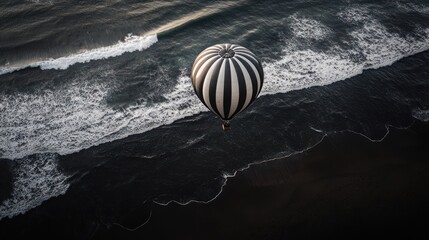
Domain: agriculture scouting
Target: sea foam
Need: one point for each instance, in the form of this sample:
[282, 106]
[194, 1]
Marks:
[307, 28]
[76, 116]
[373, 47]
[36, 179]
[131, 43]
[422, 115]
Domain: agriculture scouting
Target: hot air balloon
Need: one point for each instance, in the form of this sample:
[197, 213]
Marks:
[227, 78]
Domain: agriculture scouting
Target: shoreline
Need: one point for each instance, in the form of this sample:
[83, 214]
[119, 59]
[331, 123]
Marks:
[226, 176]
[379, 189]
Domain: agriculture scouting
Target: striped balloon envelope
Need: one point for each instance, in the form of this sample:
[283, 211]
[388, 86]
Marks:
[227, 78]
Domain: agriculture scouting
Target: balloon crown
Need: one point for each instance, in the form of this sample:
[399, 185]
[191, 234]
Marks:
[226, 53]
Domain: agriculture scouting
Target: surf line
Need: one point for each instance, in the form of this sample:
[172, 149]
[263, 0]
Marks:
[131, 43]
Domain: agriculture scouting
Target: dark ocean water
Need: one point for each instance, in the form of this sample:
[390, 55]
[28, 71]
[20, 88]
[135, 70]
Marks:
[96, 103]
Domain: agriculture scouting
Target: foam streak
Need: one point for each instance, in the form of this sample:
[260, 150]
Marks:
[131, 43]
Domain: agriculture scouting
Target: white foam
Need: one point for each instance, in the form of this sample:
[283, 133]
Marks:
[306, 68]
[77, 117]
[356, 14]
[372, 42]
[382, 48]
[180, 102]
[307, 28]
[422, 115]
[131, 43]
[36, 179]
[43, 2]
[413, 7]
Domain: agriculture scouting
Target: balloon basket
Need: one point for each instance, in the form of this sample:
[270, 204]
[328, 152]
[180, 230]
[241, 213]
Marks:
[225, 125]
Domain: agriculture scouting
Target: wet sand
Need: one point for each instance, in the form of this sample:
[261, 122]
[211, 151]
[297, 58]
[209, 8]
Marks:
[347, 187]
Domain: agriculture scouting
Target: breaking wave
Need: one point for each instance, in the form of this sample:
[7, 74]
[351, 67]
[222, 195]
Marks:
[131, 43]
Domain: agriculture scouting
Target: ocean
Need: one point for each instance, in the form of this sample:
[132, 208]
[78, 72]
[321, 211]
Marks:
[97, 110]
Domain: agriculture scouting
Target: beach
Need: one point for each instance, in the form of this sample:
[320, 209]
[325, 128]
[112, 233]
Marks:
[345, 187]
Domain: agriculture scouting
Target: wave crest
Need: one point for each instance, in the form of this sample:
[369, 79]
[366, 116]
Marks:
[131, 43]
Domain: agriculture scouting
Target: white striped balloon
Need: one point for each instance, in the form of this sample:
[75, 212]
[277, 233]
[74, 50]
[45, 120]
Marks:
[227, 78]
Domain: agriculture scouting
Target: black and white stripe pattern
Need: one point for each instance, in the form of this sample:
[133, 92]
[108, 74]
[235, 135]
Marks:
[227, 78]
